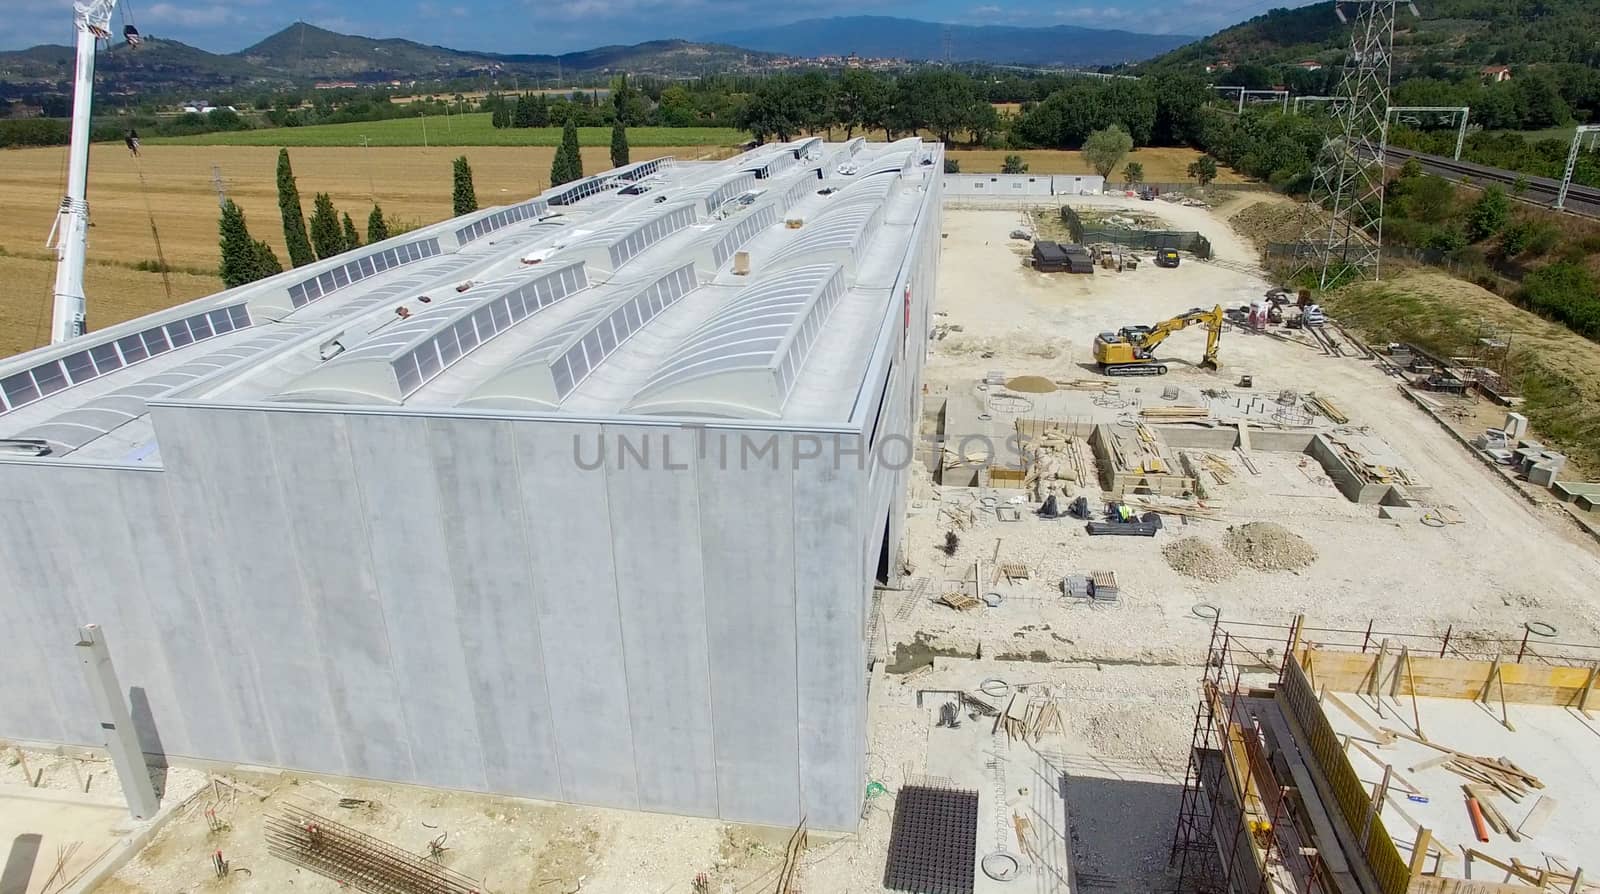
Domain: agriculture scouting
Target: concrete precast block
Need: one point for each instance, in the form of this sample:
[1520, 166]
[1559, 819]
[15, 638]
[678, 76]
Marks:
[1543, 474]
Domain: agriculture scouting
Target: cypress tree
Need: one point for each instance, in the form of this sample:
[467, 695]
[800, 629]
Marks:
[539, 111]
[568, 164]
[351, 237]
[266, 262]
[463, 196]
[619, 144]
[326, 234]
[294, 219]
[523, 116]
[244, 260]
[377, 227]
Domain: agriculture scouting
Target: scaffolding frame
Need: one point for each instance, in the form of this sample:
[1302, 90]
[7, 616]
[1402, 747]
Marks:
[1259, 846]
[1245, 806]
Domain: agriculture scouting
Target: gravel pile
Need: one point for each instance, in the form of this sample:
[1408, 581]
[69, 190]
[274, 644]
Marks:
[1194, 557]
[1266, 546]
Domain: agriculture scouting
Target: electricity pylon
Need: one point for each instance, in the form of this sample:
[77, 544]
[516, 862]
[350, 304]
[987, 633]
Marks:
[1343, 223]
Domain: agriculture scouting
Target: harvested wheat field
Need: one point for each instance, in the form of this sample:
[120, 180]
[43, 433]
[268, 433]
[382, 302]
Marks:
[116, 294]
[411, 184]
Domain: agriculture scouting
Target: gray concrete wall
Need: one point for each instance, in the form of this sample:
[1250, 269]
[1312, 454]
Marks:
[461, 602]
[1345, 478]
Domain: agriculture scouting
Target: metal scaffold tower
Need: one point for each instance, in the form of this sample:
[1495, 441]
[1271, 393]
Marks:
[1343, 225]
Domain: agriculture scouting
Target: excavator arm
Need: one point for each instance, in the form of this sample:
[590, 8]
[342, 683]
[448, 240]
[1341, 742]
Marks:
[1132, 351]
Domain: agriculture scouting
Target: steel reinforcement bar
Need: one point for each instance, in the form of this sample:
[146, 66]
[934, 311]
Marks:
[358, 860]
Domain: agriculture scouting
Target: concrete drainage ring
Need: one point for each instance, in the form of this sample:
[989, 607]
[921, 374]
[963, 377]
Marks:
[1540, 628]
[994, 687]
[993, 600]
[1001, 866]
[1206, 611]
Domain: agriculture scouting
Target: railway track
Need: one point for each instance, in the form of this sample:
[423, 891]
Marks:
[1581, 200]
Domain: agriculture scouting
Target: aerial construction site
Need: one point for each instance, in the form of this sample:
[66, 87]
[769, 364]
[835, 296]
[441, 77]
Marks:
[815, 520]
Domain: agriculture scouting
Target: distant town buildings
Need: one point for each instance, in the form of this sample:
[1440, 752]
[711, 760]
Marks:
[1496, 74]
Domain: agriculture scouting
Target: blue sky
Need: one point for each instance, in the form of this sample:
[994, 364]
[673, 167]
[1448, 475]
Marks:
[543, 26]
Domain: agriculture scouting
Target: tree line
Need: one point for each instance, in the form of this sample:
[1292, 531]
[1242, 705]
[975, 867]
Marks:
[245, 259]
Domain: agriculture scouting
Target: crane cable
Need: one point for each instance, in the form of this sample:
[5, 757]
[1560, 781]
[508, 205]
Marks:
[155, 234]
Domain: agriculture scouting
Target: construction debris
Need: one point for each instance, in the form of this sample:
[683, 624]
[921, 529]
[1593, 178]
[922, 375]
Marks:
[1499, 773]
[959, 601]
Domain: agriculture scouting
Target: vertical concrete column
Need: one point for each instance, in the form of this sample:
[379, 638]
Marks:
[121, 739]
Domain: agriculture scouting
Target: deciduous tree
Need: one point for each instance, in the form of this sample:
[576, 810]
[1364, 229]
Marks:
[1105, 149]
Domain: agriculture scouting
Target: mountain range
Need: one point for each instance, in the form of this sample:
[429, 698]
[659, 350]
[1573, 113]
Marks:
[304, 53]
[896, 38]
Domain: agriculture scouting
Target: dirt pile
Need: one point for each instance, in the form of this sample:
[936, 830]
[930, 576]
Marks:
[1031, 384]
[1266, 546]
[1197, 558]
[1267, 222]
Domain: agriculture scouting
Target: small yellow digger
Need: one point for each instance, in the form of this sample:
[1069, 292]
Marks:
[1130, 351]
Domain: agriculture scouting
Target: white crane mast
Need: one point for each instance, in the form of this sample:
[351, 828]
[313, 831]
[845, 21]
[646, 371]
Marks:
[93, 20]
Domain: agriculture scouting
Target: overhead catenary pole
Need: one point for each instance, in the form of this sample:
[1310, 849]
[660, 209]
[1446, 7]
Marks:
[1572, 163]
[69, 314]
[1461, 125]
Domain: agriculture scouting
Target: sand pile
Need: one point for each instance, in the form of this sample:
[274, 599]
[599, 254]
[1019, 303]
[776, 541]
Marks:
[1031, 385]
[1266, 546]
[1194, 557]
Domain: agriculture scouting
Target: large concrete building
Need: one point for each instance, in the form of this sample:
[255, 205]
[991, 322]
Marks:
[578, 499]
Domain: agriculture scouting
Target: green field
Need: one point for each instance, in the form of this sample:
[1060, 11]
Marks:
[458, 130]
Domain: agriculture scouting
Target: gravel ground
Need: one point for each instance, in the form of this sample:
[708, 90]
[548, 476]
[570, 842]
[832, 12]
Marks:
[1132, 668]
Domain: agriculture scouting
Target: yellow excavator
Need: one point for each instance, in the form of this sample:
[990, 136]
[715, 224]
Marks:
[1130, 351]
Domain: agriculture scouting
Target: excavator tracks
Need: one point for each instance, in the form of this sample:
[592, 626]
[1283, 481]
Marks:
[1135, 369]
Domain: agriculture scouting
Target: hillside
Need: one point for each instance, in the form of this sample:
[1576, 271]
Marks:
[1452, 36]
[155, 65]
[887, 37]
[303, 53]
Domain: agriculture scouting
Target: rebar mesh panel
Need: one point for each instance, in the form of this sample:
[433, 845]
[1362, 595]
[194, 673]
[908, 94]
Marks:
[358, 860]
[933, 848]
